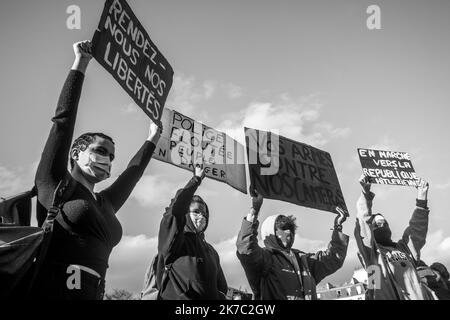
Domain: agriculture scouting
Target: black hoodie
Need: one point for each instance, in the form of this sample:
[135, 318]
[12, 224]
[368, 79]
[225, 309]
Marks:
[194, 266]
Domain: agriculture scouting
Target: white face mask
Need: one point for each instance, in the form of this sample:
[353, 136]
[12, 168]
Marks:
[199, 221]
[95, 165]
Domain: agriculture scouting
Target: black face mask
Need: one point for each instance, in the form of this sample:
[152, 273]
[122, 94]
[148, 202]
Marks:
[382, 234]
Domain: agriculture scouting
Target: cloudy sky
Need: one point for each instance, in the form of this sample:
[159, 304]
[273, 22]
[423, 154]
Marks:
[311, 69]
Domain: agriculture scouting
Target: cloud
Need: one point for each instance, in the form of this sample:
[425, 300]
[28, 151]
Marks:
[437, 248]
[130, 108]
[296, 119]
[232, 268]
[10, 181]
[129, 261]
[157, 190]
[442, 186]
[15, 180]
[233, 91]
[186, 93]
[385, 143]
[154, 191]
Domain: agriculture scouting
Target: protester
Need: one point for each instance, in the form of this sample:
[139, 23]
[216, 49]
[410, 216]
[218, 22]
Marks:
[278, 271]
[188, 266]
[391, 265]
[87, 229]
[437, 279]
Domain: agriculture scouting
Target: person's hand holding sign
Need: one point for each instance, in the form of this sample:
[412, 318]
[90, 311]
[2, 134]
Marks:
[154, 133]
[257, 201]
[199, 170]
[83, 54]
[340, 218]
[422, 189]
[365, 183]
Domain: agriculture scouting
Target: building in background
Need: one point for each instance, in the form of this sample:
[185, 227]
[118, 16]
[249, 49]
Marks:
[353, 290]
[237, 294]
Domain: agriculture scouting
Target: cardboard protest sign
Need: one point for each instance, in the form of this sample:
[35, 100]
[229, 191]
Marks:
[123, 47]
[185, 142]
[387, 167]
[303, 175]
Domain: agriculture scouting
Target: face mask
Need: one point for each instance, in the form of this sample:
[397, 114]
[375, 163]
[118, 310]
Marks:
[95, 165]
[382, 234]
[199, 221]
[285, 237]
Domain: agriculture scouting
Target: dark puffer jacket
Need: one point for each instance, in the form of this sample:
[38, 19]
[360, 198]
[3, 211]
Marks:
[280, 274]
[194, 270]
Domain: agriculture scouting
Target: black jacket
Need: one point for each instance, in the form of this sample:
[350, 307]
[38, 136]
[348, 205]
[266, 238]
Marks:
[279, 274]
[193, 264]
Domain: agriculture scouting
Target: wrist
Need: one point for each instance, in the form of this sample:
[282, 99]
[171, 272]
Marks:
[422, 196]
[197, 179]
[252, 215]
[153, 140]
[80, 64]
[422, 203]
[337, 227]
[365, 190]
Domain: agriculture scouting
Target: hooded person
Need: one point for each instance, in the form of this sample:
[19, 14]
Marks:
[436, 278]
[278, 271]
[392, 265]
[190, 266]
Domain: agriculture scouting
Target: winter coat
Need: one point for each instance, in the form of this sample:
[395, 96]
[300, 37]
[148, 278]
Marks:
[192, 264]
[280, 274]
[382, 283]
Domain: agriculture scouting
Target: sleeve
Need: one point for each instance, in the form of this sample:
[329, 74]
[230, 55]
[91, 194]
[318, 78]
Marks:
[174, 219]
[53, 163]
[326, 262]
[222, 285]
[415, 234]
[121, 189]
[255, 260]
[363, 230]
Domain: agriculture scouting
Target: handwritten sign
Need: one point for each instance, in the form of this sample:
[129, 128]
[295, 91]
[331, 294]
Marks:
[306, 175]
[185, 142]
[387, 167]
[123, 47]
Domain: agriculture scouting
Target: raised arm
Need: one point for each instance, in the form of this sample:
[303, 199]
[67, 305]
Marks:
[326, 262]
[53, 164]
[363, 231]
[121, 189]
[174, 219]
[253, 258]
[415, 234]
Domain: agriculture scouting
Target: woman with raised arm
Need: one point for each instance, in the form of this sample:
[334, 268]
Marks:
[87, 229]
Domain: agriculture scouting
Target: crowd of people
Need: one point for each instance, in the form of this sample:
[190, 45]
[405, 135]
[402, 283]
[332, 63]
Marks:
[188, 267]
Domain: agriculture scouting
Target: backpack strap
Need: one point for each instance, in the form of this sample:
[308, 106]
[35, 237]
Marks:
[62, 192]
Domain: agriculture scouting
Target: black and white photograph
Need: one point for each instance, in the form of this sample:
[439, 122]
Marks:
[211, 151]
